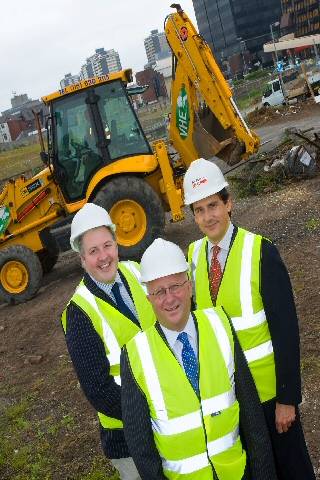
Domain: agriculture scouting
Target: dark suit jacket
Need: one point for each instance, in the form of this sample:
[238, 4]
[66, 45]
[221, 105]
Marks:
[278, 302]
[92, 367]
[139, 435]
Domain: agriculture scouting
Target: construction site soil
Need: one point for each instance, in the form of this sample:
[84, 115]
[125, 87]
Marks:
[35, 369]
[272, 115]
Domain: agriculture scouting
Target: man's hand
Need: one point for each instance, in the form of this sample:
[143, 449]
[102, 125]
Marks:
[285, 416]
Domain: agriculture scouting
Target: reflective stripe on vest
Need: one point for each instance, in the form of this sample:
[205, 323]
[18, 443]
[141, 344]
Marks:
[252, 327]
[114, 328]
[148, 353]
[108, 336]
[197, 462]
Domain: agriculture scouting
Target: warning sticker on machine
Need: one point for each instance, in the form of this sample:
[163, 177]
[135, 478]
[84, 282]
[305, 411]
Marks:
[4, 219]
[31, 187]
[184, 33]
[182, 113]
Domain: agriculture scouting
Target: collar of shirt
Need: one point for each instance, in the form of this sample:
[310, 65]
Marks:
[224, 244]
[172, 335]
[106, 287]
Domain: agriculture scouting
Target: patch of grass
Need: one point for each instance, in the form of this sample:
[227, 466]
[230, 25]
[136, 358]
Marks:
[31, 443]
[251, 97]
[22, 455]
[98, 472]
[253, 180]
[257, 74]
[312, 224]
[19, 160]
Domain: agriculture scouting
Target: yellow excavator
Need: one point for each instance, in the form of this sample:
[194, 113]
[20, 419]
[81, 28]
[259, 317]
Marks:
[97, 151]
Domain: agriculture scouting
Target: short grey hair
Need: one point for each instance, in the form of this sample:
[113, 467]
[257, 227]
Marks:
[79, 240]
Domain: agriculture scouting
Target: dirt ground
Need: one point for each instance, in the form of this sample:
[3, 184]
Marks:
[41, 403]
[271, 115]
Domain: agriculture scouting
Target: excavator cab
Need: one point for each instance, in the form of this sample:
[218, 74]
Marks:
[92, 129]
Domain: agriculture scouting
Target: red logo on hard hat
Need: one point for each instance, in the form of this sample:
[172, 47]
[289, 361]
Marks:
[199, 181]
[184, 33]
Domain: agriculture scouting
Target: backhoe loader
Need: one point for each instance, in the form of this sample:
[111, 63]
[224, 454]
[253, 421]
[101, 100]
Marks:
[98, 152]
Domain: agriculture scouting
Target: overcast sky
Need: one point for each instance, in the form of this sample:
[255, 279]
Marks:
[42, 40]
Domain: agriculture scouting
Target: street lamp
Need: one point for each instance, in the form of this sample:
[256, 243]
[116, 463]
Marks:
[243, 49]
[276, 24]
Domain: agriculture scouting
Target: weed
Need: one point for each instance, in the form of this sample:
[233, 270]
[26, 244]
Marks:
[253, 180]
[100, 471]
[67, 421]
[312, 224]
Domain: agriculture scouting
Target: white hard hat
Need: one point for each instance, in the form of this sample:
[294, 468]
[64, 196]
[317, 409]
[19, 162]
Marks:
[202, 179]
[162, 258]
[88, 217]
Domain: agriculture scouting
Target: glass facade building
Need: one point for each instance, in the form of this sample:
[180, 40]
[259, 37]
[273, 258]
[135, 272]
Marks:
[232, 26]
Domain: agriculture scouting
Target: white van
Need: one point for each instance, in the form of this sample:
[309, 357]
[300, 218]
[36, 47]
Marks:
[273, 94]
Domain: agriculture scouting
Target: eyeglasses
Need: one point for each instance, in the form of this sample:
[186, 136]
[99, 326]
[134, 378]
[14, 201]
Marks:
[161, 293]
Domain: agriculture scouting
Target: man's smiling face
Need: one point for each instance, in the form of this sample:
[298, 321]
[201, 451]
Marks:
[99, 254]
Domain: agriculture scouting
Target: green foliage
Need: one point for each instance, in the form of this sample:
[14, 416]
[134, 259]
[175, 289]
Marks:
[253, 180]
[99, 472]
[312, 224]
[28, 443]
[257, 74]
[251, 97]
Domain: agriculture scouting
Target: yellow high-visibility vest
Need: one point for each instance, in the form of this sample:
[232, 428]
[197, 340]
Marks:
[192, 433]
[114, 329]
[239, 294]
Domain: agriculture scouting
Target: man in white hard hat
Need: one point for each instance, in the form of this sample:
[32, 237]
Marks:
[244, 272]
[107, 309]
[179, 383]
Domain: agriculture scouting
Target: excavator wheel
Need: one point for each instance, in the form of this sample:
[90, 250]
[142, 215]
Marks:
[47, 260]
[137, 212]
[20, 274]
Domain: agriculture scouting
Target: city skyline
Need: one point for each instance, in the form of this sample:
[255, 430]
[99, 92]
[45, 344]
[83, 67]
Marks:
[40, 45]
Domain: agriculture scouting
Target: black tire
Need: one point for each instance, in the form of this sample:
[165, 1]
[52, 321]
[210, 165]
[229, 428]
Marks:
[130, 188]
[47, 260]
[26, 261]
[266, 104]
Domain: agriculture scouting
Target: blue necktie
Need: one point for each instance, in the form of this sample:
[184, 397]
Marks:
[189, 360]
[122, 306]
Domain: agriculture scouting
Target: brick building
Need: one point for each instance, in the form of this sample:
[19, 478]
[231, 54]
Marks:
[156, 84]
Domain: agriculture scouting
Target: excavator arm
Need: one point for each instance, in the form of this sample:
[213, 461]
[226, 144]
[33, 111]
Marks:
[205, 120]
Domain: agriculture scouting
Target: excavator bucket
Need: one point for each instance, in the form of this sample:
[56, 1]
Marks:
[210, 139]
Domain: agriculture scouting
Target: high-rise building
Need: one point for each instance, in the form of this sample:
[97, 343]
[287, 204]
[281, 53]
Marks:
[156, 46]
[113, 61]
[101, 62]
[86, 70]
[232, 27]
[303, 17]
[18, 100]
[69, 80]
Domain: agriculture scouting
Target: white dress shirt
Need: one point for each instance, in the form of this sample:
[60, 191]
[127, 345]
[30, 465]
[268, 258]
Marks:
[175, 344]
[224, 244]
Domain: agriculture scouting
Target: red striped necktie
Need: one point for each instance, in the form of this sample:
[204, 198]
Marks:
[215, 273]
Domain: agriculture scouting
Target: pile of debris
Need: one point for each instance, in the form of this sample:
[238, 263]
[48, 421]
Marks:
[264, 115]
[298, 157]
